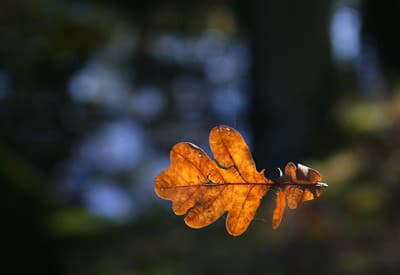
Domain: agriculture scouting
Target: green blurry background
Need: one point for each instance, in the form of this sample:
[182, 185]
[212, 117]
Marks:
[93, 94]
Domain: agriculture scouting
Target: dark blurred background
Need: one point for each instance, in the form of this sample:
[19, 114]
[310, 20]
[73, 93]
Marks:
[93, 94]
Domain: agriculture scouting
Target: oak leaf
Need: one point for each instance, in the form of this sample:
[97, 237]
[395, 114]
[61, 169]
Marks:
[204, 189]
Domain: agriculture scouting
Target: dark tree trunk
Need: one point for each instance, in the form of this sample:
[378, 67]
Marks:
[381, 28]
[292, 70]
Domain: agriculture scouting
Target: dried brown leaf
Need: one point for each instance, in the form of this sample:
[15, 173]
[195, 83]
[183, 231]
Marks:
[205, 189]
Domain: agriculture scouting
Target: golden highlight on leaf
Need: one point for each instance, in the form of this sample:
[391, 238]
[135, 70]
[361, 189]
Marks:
[279, 209]
[204, 189]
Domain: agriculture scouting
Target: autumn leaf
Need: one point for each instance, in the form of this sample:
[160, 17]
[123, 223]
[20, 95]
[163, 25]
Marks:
[296, 185]
[204, 189]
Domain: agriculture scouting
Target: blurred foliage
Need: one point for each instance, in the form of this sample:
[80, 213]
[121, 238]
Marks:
[94, 93]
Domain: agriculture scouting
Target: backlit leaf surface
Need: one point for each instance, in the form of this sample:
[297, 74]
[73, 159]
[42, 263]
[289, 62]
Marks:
[203, 189]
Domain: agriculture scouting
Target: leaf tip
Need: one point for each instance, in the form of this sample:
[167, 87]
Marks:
[275, 225]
